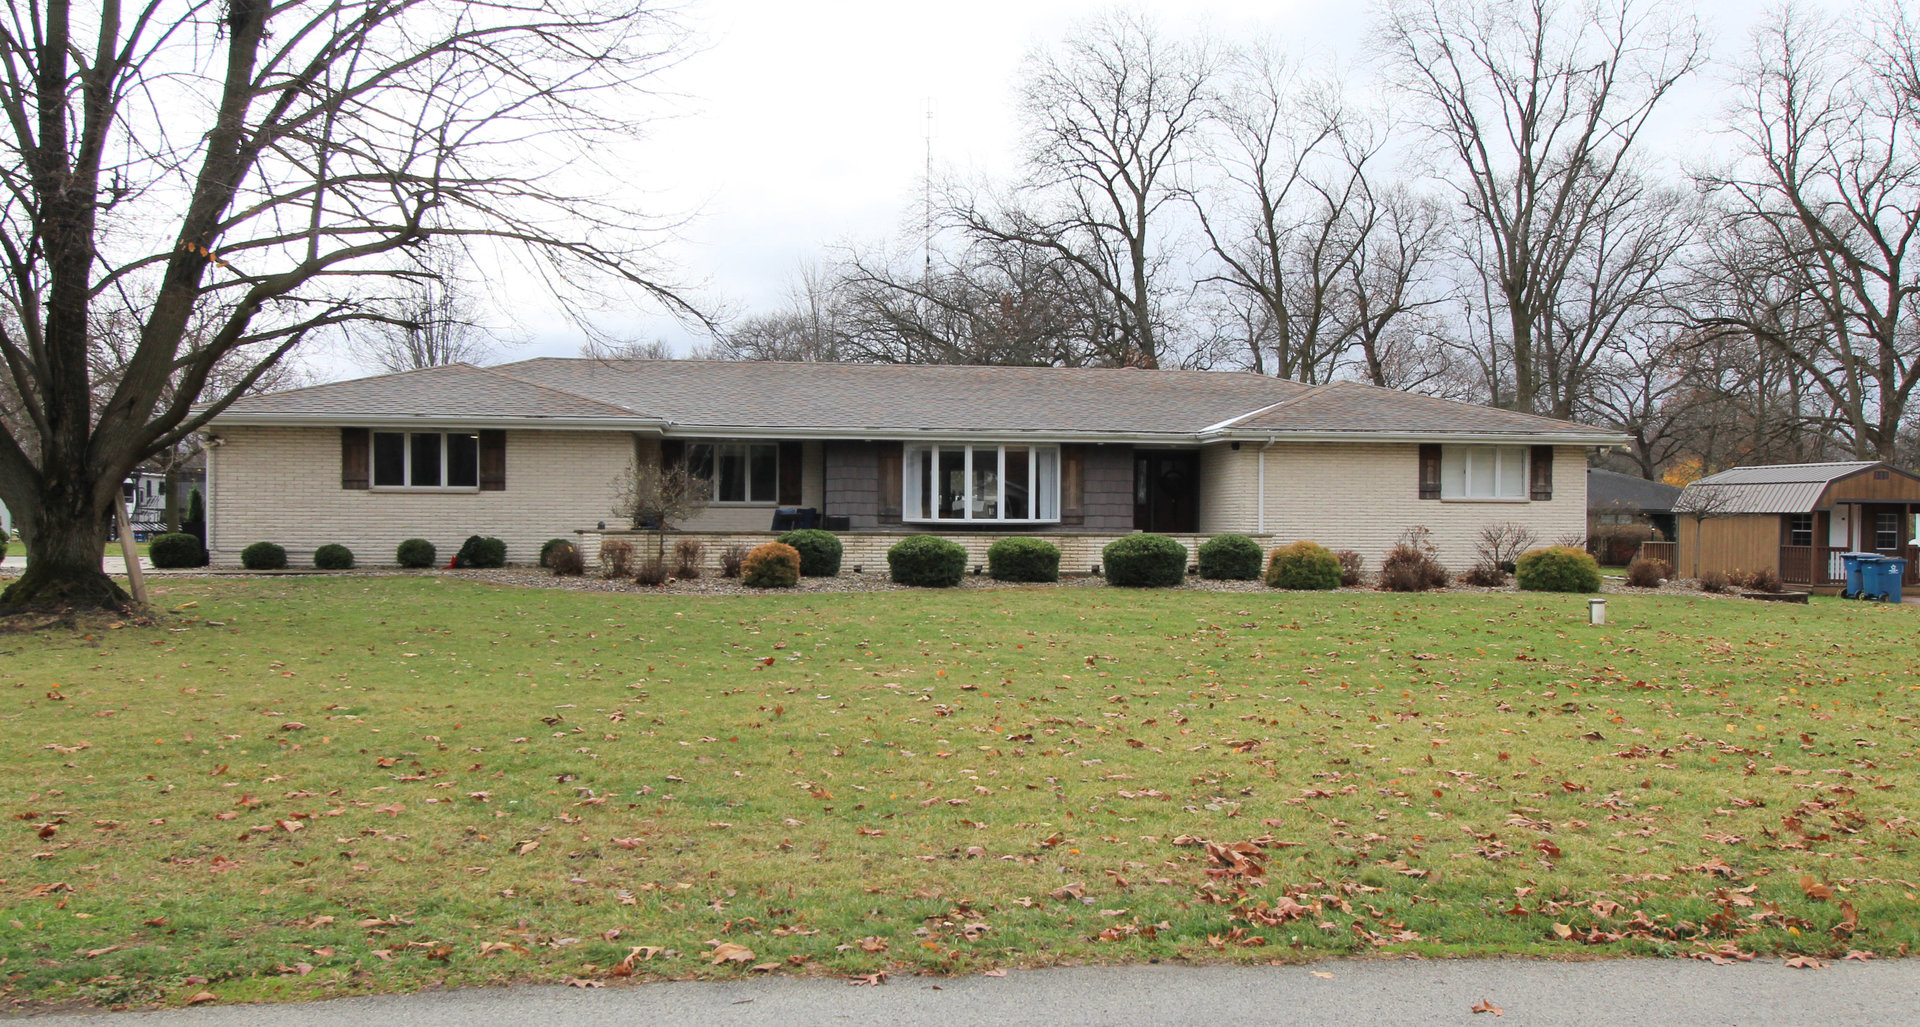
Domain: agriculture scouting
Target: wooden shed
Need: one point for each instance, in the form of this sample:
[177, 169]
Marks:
[1797, 519]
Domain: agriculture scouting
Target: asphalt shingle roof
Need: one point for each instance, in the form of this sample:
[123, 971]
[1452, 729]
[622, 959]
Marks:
[688, 396]
[1351, 406]
[1611, 490]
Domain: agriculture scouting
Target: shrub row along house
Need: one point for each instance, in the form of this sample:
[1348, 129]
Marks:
[532, 450]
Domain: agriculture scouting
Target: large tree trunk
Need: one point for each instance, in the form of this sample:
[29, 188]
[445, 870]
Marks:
[63, 557]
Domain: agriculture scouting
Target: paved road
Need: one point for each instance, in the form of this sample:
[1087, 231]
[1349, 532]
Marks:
[1384, 993]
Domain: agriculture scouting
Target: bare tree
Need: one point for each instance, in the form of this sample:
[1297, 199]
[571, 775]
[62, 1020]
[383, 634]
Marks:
[1109, 116]
[659, 496]
[1821, 209]
[434, 324]
[809, 329]
[262, 169]
[1538, 106]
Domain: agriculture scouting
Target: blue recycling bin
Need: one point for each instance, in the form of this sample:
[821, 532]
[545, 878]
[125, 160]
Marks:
[1882, 577]
[1856, 564]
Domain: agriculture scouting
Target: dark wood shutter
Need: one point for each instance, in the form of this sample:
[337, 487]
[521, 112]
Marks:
[1073, 484]
[792, 462]
[355, 445]
[493, 460]
[673, 453]
[1542, 473]
[1430, 470]
[890, 457]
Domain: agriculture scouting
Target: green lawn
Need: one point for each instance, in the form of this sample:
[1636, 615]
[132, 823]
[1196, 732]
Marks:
[305, 787]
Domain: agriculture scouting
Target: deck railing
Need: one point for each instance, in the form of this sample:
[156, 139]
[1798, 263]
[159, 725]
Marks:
[1821, 565]
[1658, 551]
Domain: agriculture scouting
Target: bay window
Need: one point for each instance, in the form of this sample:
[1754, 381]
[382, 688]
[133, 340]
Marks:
[1483, 472]
[981, 483]
[740, 472]
[426, 459]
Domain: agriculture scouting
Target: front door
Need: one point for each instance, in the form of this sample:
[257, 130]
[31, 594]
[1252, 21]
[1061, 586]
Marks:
[1166, 491]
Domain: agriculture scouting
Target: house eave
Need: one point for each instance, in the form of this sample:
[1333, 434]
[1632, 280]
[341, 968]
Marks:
[1589, 439]
[437, 420]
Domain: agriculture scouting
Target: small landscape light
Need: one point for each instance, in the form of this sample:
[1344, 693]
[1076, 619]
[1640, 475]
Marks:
[1596, 610]
[976, 570]
[1096, 570]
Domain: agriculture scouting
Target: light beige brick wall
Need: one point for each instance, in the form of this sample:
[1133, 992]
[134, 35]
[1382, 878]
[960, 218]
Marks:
[1362, 496]
[282, 485]
[1229, 488]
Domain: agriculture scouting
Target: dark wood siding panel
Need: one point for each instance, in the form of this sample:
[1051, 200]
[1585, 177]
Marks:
[852, 489]
[354, 452]
[1106, 488]
[889, 456]
[1073, 480]
[1897, 486]
[493, 460]
[1429, 481]
[791, 465]
[1542, 472]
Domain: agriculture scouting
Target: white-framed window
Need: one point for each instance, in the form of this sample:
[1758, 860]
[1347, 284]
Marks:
[1483, 472]
[741, 472]
[426, 460]
[979, 483]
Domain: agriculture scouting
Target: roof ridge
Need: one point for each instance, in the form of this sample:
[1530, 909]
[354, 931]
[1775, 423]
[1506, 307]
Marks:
[495, 372]
[373, 378]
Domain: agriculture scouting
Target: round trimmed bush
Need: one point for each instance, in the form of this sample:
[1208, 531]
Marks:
[1557, 569]
[416, 553]
[333, 557]
[481, 552]
[176, 550]
[262, 556]
[1304, 565]
[771, 565]
[1145, 561]
[547, 549]
[1023, 559]
[819, 551]
[928, 561]
[1229, 558]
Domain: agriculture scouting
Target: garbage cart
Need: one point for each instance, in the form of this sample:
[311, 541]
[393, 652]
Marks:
[1855, 564]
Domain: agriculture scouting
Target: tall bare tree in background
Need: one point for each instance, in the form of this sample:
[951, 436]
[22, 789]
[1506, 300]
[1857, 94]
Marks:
[1822, 208]
[434, 324]
[1538, 106]
[1109, 115]
[305, 148]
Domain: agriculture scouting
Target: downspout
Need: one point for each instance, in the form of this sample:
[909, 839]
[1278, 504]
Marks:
[1261, 489]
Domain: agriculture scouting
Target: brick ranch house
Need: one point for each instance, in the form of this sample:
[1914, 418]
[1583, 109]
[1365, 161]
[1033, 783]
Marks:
[531, 450]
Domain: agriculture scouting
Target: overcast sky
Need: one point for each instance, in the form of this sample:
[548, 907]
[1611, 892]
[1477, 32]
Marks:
[799, 126]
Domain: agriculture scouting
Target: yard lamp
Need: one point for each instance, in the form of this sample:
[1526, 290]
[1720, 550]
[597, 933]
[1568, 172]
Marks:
[1596, 610]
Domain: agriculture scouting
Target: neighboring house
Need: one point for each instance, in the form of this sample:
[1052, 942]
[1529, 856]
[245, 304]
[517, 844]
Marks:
[1796, 519]
[531, 450]
[1624, 510]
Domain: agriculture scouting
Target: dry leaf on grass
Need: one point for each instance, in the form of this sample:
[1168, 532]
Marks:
[728, 952]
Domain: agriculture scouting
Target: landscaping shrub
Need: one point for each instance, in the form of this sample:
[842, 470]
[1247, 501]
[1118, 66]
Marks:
[731, 559]
[616, 558]
[168, 551]
[686, 554]
[1483, 575]
[415, 552]
[819, 551]
[333, 557]
[771, 565]
[1558, 569]
[1145, 561]
[481, 552]
[547, 549]
[1499, 546]
[263, 556]
[566, 561]
[1303, 565]
[1714, 581]
[653, 571]
[1023, 559]
[1412, 565]
[1764, 580]
[1352, 564]
[1229, 558]
[927, 560]
[1645, 573]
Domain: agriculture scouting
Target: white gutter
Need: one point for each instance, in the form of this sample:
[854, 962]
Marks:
[422, 420]
[1509, 438]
